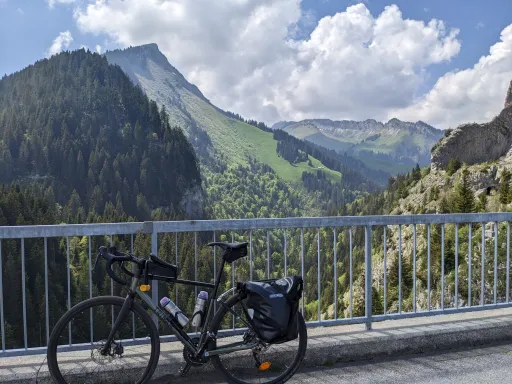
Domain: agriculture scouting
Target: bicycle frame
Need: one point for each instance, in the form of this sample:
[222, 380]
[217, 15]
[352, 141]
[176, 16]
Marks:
[205, 334]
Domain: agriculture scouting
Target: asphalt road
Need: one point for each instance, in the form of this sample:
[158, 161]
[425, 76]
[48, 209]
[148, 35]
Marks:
[490, 364]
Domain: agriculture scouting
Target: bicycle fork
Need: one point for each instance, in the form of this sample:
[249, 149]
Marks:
[120, 317]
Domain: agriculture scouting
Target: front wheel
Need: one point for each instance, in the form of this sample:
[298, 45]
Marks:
[280, 361]
[74, 349]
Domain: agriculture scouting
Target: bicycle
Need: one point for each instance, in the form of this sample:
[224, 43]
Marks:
[108, 346]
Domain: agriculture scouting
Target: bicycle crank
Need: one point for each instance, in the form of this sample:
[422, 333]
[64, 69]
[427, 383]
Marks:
[190, 359]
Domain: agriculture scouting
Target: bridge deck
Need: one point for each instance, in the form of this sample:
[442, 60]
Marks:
[330, 345]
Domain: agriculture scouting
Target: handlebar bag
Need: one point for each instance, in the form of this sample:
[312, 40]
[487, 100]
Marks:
[156, 270]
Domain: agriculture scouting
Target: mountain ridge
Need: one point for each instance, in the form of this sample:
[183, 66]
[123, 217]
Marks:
[404, 143]
[219, 137]
[367, 124]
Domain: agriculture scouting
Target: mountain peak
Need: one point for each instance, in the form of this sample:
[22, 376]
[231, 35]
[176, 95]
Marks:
[149, 63]
[141, 53]
[150, 45]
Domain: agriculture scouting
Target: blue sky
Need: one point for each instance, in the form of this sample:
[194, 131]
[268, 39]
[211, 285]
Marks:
[480, 23]
[28, 28]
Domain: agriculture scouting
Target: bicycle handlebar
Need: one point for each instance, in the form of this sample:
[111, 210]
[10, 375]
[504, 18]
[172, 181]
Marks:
[115, 256]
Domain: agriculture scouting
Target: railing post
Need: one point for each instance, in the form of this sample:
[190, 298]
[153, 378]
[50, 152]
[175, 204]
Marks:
[368, 276]
[154, 285]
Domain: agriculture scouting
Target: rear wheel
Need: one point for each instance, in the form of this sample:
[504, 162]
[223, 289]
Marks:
[269, 364]
[132, 357]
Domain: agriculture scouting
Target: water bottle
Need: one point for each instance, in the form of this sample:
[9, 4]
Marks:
[198, 310]
[173, 309]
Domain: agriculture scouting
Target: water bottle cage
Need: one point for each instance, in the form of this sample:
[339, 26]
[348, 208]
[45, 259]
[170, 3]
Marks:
[176, 317]
[201, 318]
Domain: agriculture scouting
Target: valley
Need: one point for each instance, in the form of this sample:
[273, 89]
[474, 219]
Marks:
[70, 156]
[395, 147]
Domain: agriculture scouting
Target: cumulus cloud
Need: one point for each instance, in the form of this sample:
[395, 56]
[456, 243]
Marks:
[98, 49]
[51, 3]
[247, 55]
[61, 42]
[476, 94]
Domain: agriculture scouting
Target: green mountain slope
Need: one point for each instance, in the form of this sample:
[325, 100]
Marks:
[187, 107]
[220, 140]
[75, 123]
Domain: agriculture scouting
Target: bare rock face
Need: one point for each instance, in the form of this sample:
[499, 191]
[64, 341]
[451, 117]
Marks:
[477, 143]
[508, 99]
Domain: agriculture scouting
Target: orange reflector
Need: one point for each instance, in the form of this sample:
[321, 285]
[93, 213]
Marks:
[264, 366]
[145, 288]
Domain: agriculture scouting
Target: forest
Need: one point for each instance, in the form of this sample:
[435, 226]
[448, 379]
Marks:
[308, 251]
[79, 143]
[74, 123]
[331, 159]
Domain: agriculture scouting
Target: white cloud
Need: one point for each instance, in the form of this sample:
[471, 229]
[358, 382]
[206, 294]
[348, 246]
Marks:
[51, 3]
[245, 55]
[476, 94]
[61, 42]
[98, 49]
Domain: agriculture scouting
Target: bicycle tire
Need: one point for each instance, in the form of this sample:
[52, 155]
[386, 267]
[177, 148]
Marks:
[217, 363]
[86, 305]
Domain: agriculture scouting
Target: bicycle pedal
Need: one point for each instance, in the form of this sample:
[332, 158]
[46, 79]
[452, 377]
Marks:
[184, 370]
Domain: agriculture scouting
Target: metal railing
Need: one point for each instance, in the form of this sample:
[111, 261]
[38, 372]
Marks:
[377, 267]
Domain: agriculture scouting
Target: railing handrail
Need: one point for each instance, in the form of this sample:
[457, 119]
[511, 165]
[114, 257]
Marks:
[148, 227]
[154, 228]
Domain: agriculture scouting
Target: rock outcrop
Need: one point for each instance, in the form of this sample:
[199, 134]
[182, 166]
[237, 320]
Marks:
[477, 143]
[508, 99]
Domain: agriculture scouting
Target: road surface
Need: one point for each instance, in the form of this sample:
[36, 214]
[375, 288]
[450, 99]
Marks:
[489, 364]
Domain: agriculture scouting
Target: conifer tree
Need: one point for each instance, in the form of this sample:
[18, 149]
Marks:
[504, 188]
[464, 197]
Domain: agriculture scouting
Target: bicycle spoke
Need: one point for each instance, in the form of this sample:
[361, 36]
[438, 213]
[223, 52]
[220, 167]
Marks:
[244, 365]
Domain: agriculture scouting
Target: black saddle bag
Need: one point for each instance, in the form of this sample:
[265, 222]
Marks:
[275, 305]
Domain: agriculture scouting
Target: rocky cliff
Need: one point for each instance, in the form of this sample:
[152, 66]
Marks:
[477, 143]
[508, 99]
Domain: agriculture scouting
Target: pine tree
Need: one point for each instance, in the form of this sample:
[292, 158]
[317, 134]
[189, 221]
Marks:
[453, 166]
[416, 173]
[464, 197]
[504, 188]
[482, 203]
[444, 206]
